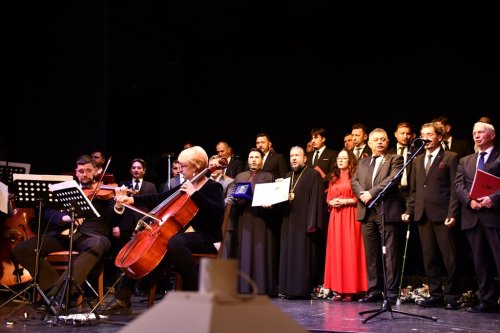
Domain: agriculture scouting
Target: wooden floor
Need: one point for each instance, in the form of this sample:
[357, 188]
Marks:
[311, 315]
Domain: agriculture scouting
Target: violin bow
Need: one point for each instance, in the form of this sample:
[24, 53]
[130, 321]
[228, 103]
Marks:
[100, 179]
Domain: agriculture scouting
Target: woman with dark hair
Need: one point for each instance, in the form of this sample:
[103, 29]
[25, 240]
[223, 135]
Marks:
[345, 266]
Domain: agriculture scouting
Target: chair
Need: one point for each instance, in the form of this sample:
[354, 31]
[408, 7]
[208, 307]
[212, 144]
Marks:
[60, 261]
[197, 259]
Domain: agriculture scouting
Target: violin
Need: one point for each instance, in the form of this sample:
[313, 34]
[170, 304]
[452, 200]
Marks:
[103, 192]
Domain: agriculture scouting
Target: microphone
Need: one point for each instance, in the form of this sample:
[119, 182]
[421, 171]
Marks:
[424, 141]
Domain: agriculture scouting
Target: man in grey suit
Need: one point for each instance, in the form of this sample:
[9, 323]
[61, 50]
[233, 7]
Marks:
[382, 221]
[481, 217]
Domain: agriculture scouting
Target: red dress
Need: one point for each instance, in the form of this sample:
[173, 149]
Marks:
[345, 263]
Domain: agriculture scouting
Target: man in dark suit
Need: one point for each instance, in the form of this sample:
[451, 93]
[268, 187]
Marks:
[382, 220]
[435, 207]
[90, 239]
[460, 146]
[273, 162]
[359, 134]
[138, 185]
[481, 216]
[234, 164]
[176, 178]
[322, 159]
[122, 232]
[407, 147]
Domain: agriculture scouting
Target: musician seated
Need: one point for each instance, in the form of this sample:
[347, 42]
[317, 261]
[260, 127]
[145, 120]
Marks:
[89, 239]
[207, 195]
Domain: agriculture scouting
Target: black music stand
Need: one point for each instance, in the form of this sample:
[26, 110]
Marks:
[33, 191]
[386, 304]
[76, 202]
[8, 169]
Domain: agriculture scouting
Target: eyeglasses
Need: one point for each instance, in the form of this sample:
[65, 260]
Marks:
[82, 171]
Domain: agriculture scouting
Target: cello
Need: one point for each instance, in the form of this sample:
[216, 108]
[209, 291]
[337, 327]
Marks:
[13, 230]
[148, 245]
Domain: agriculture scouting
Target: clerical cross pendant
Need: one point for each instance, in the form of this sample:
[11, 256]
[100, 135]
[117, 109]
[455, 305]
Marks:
[291, 196]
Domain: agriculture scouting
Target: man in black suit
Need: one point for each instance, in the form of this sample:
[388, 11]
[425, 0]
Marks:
[90, 239]
[481, 216]
[122, 232]
[372, 176]
[406, 147]
[128, 220]
[322, 159]
[359, 134]
[273, 162]
[234, 164]
[460, 146]
[435, 207]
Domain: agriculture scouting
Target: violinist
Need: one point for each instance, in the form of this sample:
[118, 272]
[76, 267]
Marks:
[204, 228]
[90, 239]
[100, 160]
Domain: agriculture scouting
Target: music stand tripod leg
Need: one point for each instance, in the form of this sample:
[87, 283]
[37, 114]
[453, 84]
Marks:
[34, 282]
[69, 279]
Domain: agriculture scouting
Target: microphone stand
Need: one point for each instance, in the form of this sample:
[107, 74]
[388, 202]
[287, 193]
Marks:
[386, 304]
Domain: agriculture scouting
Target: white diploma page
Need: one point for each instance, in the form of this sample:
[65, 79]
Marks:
[268, 194]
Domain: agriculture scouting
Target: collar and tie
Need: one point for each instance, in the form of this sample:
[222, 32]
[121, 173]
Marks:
[446, 145]
[371, 171]
[316, 156]
[428, 165]
[358, 152]
[480, 163]
[137, 183]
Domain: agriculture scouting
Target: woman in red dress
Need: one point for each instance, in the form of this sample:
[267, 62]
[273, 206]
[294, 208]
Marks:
[345, 266]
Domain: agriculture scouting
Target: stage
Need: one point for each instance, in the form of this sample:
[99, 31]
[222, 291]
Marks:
[311, 315]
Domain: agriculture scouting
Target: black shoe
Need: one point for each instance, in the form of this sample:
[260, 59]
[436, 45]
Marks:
[483, 308]
[431, 302]
[118, 307]
[371, 298]
[452, 306]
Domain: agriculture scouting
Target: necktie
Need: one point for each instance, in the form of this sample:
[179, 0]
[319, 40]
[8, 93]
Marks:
[369, 176]
[252, 174]
[428, 165]
[445, 145]
[404, 181]
[357, 152]
[136, 186]
[480, 164]
[316, 155]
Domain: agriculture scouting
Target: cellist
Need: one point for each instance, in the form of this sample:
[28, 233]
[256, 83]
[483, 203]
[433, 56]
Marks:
[203, 230]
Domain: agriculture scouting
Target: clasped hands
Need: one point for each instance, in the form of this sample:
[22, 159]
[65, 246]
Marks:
[481, 202]
[338, 202]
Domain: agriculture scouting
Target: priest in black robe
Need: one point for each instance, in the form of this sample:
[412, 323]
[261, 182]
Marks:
[302, 231]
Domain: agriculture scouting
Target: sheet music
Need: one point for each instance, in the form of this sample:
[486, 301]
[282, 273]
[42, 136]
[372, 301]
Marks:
[268, 194]
[70, 191]
[45, 178]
